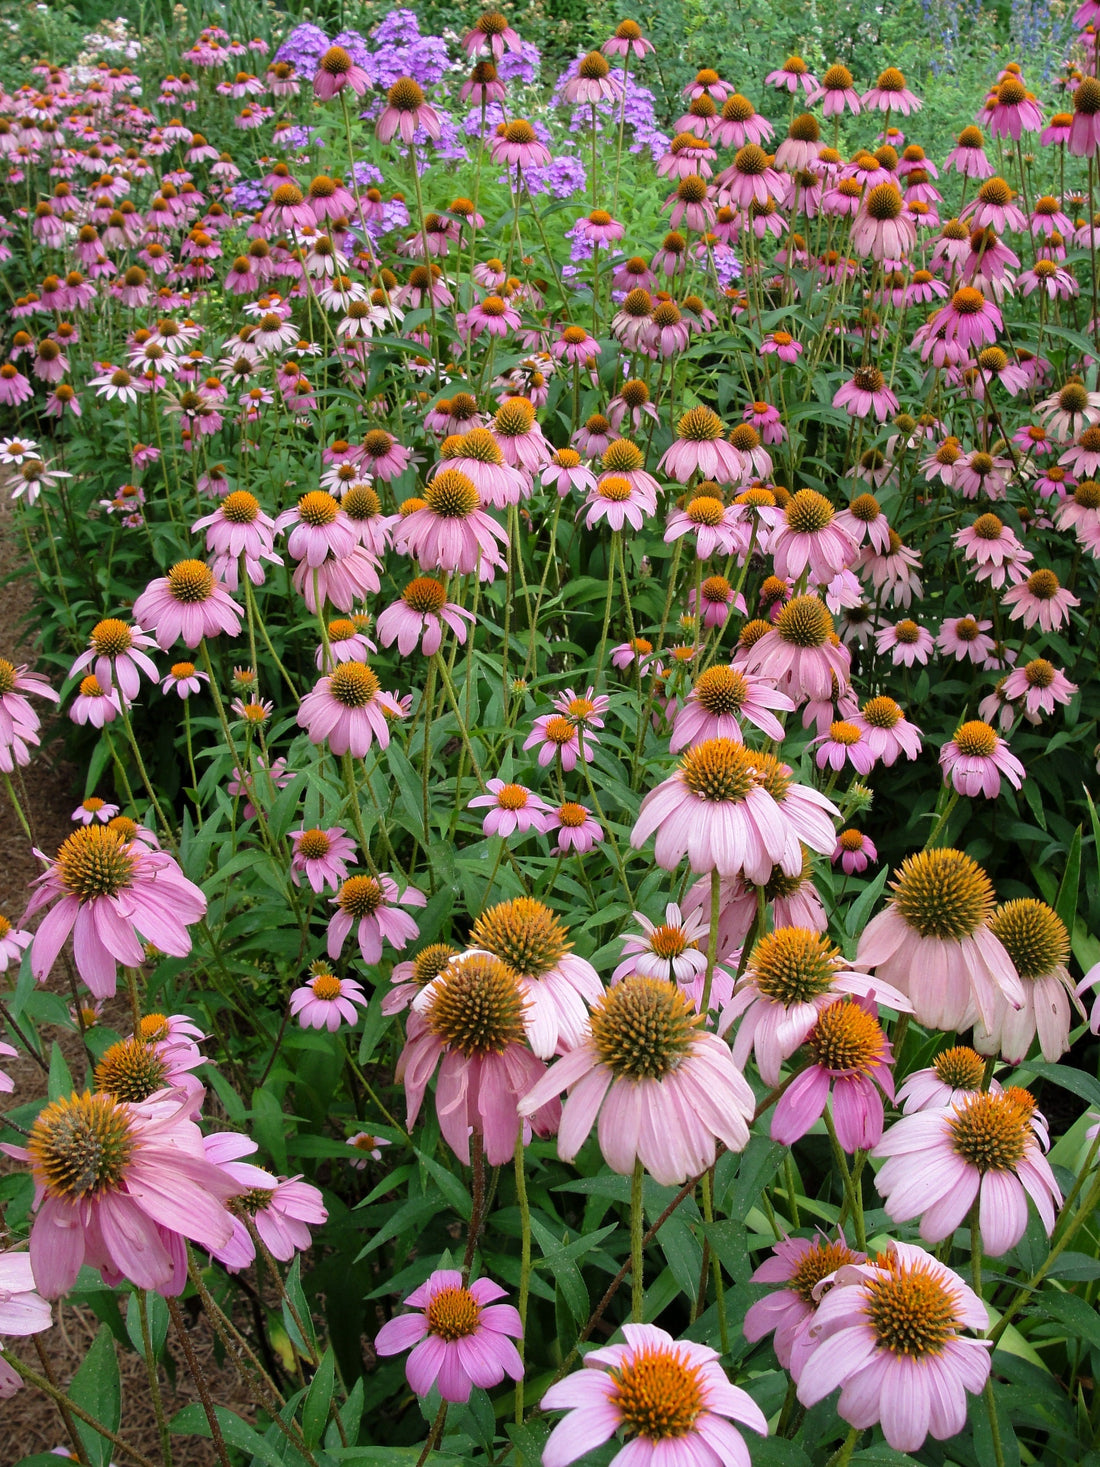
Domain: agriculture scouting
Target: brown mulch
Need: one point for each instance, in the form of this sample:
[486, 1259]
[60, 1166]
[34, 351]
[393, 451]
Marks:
[31, 1422]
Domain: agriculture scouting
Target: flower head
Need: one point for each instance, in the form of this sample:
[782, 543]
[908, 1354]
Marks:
[460, 1336]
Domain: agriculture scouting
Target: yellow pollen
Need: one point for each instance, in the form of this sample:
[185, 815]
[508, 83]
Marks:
[643, 1028]
[453, 1314]
[513, 797]
[912, 1312]
[424, 595]
[477, 1006]
[326, 986]
[990, 1132]
[93, 862]
[658, 1394]
[943, 893]
[353, 684]
[313, 845]
[805, 622]
[81, 1146]
[452, 495]
[846, 1039]
[524, 933]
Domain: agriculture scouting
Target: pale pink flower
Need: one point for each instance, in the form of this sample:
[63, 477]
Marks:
[608, 1395]
[735, 811]
[323, 856]
[843, 743]
[115, 655]
[1041, 685]
[888, 732]
[281, 1209]
[669, 950]
[811, 537]
[664, 1103]
[348, 710]
[934, 943]
[13, 940]
[866, 393]
[452, 532]
[798, 654]
[855, 851]
[336, 70]
[718, 701]
[974, 760]
[953, 1076]
[365, 1144]
[459, 1336]
[578, 830]
[512, 808]
[786, 1314]
[187, 603]
[792, 976]
[419, 616]
[938, 1165]
[1040, 601]
[93, 809]
[483, 1073]
[327, 1002]
[906, 642]
[111, 893]
[23, 1311]
[371, 905]
[869, 1337]
[850, 1056]
[119, 1187]
[1036, 940]
[557, 736]
[965, 638]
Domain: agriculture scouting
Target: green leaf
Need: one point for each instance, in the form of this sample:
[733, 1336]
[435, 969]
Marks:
[158, 1322]
[1078, 1082]
[191, 1421]
[269, 1123]
[1073, 1313]
[860, 910]
[565, 1273]
[318, 1401]
[97, 1390]
[1066, 904]
[61, 1081]
[296, 1297]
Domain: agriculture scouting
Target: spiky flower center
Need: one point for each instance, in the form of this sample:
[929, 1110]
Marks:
[721, 691]
[1087, 494]
[884, 203]
[700, 425]
[452, 495]
[453, 1314]
[658, 1394]
[1086, 99]
[81, 1146]
[850, 840]
[960, 1068]
[615, 488]
[360, 896]
[524, 933]
[425, 595]
[313, 845]
[93, 862]
[430, 961]
[476, 1006]
[405, 95]
[721, 771]
[1043, 584]
[943, 893]
[807, 512]
[519, 131]
[110, 638]
[804, 129]
[190, 581]
[843, 732]
[907, 632]
[805, 621]
[1033, 935]
[326, 986]
[837, 79]
[977, 740]
[793, 965]
[643, 1028]
[846, 1039]
[353, 684]
[912, 1312]
[991, 1132]
[593, 67]
[622, 457]
[891, 80]
[705, 510]
[716, 590]
[7, 676]
[822, 1259]
[131, 1070]
[491, 23]
[336, 61]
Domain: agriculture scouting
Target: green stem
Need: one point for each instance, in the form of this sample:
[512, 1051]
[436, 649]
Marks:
[201, 1384]
[154, 1378]
[712, 939]
[716, 1267]
[937, 829]
[843, 1455]
[637, 1233]
[525, 1262]
[855, 1202]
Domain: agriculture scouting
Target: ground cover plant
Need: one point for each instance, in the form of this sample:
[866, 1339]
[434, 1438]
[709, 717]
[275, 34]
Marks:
[579, 625]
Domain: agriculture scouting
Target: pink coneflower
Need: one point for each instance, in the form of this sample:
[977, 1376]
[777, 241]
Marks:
[110, 890]
[644, 1060]
[809, 538]
[627, 41]
[187, 603]
[323, 856]
[934, 943]
[984, 1150]
[327, 1002]
[281, 1209]
[716, 527]
[855, 851]
[782, 344]
[964, 637]
[405, 111]
[239, 527]
[793, 975]
[184, 679]
[616, 500]
[974, 760]
[469, 1020]
[798, 654]
[558, 737]
[1084, 133]
[370, 905]
[566, 473]
[1040, 600]
[792, 75]
[719, 699]
[93, 809]
[1041, 685]
[887, 731]
[882, 229]
[968, 319]
[93, 704]
[13, 940]
[866, 393]
[953, 1077]
[1069, 411]
[512, 808]
[366, 1145]
[735, 811]
[490, 31]
[670, 950]
[803, 1264]
[115, 655]
[452, 532]
[337, 70]
[460, 1338]
[348, 710]
[593, 81]
[23, 1311]
[517, 145]
[890, 94]
[993, 548]
[575, 347]
[1083, 457]
[420, 616]
[557, 987]
[842, 743]
[906, 642]
[318, 528]
[119, 1186]
[1036, 940]
[492, 316]
[671, 1399]
[890, 1334]
[701, 449]
[578, 830]
[850, 1055]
